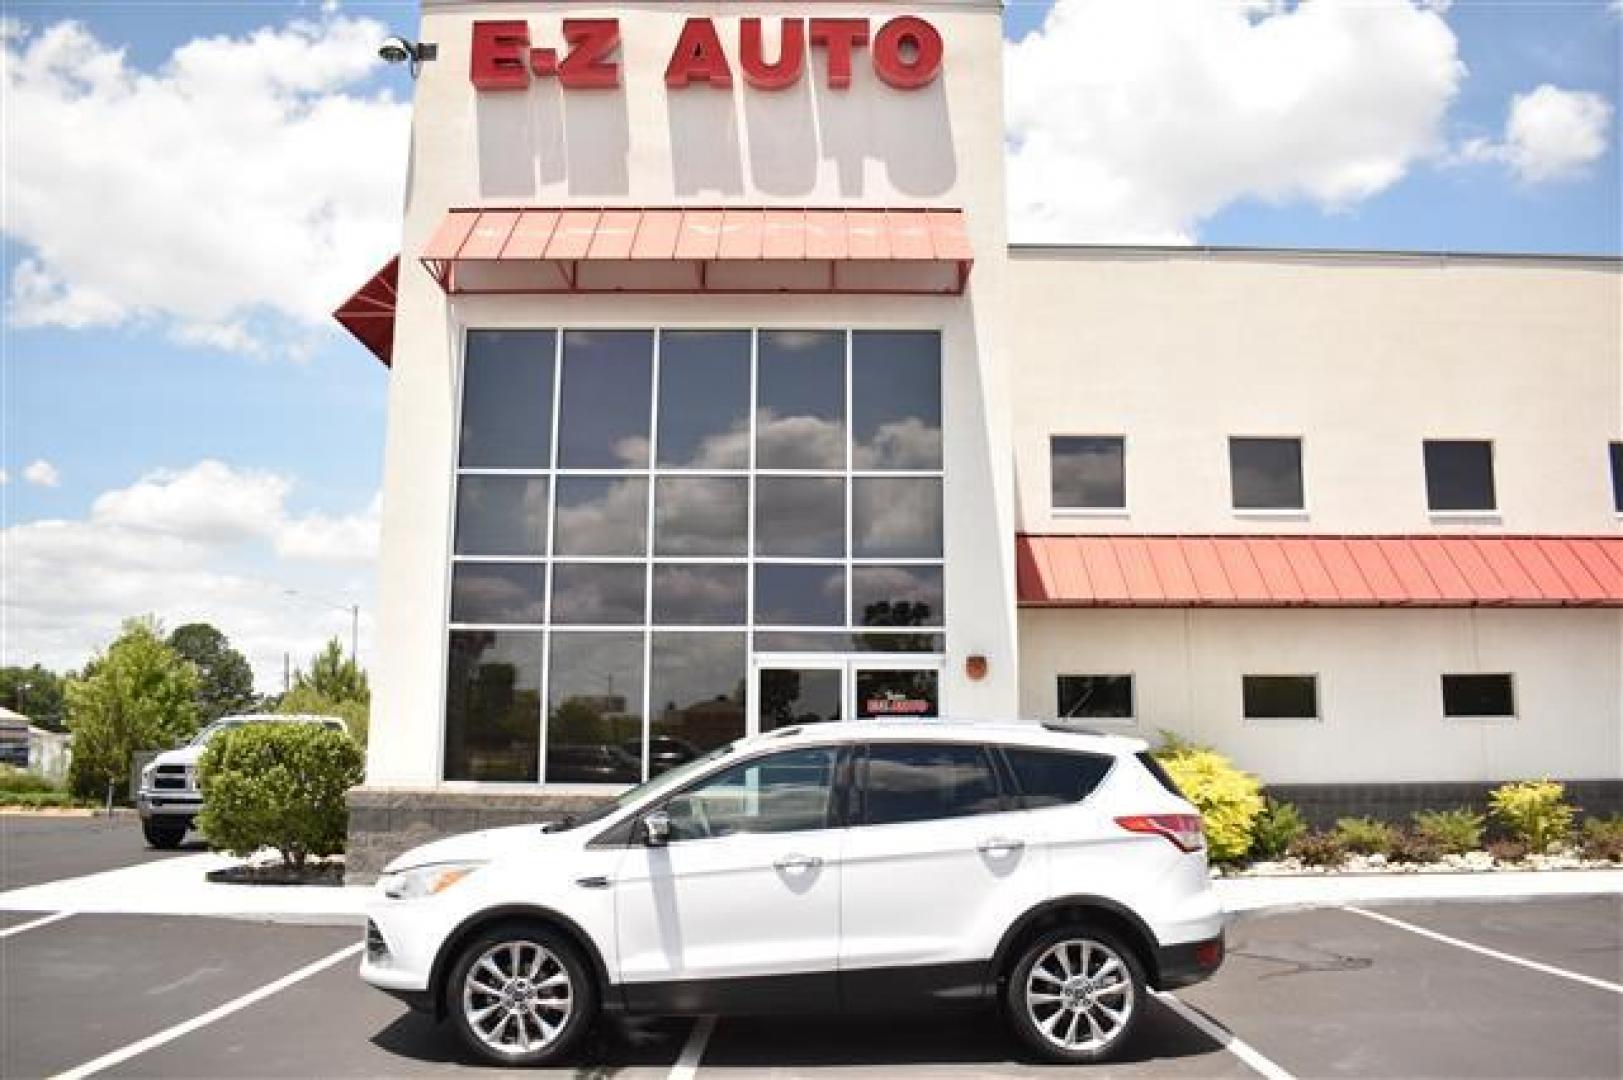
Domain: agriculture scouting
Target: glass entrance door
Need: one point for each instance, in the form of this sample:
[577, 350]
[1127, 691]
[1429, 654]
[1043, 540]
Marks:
[795, 690]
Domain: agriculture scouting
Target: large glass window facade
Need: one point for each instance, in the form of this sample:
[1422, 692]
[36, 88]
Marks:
[639, 512]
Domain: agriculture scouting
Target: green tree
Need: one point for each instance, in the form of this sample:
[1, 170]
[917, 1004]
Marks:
[138, 695]
[333, 686]
[225, 681]
[35, 692]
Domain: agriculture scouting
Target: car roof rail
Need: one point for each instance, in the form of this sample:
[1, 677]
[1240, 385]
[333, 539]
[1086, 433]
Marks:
[784, 732]
[1063, 728]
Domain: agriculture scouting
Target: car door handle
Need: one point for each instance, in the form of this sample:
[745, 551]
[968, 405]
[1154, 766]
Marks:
[798, 863]
[999, 845]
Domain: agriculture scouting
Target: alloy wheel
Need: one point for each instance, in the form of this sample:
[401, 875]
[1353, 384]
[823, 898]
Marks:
[517, 997]
[1080, 995]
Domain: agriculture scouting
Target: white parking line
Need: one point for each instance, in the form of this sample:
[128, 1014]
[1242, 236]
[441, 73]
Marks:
[1562, 973]
[107, 1061]
[687, 1066]
[46, 921]
[1224, 1038]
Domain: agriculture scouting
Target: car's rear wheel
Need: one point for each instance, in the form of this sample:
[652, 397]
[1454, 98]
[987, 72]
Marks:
[519, 994]
[1075, 995]
[161, 835]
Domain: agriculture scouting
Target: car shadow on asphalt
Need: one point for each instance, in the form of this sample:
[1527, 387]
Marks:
[612, 1043]
[973, 1038]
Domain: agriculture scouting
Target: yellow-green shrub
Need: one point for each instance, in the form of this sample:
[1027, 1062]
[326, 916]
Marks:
[1228, 799]
[1533, 811]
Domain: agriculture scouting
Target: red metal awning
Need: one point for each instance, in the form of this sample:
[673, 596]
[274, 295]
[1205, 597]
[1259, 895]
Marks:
[694, 250]
[1320, 571]
[369, 314]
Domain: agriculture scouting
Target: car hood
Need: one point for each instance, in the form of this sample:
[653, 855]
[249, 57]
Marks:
[186, 755]
[486, 845]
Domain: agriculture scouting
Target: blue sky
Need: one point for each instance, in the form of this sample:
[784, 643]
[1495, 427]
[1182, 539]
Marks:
[120, 387]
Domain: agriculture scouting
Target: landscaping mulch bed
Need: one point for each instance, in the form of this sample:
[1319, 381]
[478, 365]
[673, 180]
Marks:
[327, 872]
[1476, 862]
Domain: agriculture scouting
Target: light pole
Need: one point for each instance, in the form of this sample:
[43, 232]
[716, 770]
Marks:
[354, 616]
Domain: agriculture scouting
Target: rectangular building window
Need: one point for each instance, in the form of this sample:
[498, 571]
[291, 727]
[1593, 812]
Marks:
[1478, 695]
[1617, 476]
[1266, 474]
[1095, 697]
[1088, 472]
[639, 512]
[1459, 475]
[1281, 697]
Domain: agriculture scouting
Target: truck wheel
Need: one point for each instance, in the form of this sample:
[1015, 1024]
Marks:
[519, 994]
[165, 837]
[1075, 995]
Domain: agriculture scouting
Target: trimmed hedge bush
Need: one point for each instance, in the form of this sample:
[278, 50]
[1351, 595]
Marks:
[15, 781]
[1602, 838]
[278, 786]
[1275, 829]
[1319, 849]
[1453, 832]
[1365, 836]
[1229, 800]
[1534, 812]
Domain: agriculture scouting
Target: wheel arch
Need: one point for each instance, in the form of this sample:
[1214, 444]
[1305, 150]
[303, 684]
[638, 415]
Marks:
[508, 913]
[1101, 911]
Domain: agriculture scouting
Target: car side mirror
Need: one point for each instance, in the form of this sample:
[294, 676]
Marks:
[656, 828]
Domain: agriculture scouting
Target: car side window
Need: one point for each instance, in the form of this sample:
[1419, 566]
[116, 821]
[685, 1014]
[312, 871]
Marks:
[1054, 777]
[905, 782]
[787, 792]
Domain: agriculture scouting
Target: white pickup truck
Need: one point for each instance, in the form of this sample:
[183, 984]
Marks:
[170, 798]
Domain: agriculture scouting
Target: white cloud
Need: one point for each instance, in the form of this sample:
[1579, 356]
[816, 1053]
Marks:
[5, 478]
[211, 542]
[1550, 134]
[246, 177]
[1136, 121]
[42, 473]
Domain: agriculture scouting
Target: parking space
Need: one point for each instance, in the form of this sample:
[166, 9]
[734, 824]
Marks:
[1308, 994]
[36, 848]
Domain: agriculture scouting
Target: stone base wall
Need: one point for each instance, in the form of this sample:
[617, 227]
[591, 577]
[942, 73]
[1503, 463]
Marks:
[1322, 804]
[385, 822]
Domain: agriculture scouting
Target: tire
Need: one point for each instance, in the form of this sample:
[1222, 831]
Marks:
[163, 836]
[1053, 1008]
[505, 1001]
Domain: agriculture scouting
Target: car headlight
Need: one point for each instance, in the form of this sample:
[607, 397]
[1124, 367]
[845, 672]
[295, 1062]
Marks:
[146, 773]
[423, 881]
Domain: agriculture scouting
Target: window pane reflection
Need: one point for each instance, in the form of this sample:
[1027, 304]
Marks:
[1088, 471]
[896, 596]
[799, 595]
[603, 414]
[498, 593]
[800, 516]
[601, 515]
[492, 705]
[897, 519]
[799, 696]
[697, 695]
[895, 400]
[800, 407]
[1266, 473]
[701, 516]
[699, 594]
[704, 399]
[507, 399]
[602, 593]
[594, 708]
[501, 515]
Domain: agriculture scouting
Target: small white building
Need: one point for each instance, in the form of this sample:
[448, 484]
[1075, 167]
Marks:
[720, 401]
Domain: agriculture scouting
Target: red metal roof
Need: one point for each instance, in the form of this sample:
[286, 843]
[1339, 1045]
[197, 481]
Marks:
[369, 314]
[1320, 571]
[719, 249]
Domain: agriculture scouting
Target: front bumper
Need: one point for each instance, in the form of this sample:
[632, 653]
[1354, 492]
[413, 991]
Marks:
[168, 805]
[403, 938]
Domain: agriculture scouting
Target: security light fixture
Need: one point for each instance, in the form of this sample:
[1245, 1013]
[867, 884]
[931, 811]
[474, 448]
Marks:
[397, 50]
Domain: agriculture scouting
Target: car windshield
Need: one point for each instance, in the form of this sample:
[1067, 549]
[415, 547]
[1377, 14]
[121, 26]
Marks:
[202, 737]
[650, 787]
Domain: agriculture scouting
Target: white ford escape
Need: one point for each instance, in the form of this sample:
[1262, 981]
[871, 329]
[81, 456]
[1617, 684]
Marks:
[855, 866]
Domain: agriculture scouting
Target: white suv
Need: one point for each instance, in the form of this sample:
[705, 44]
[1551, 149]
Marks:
[854, 866]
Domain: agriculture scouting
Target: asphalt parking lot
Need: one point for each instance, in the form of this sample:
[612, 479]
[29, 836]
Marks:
[1307, 994]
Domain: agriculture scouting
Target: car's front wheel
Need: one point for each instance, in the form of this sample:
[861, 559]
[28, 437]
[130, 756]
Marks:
[1075, 995]
[519, 994]
[160, 835]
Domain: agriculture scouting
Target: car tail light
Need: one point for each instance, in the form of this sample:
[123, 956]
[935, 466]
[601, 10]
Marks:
[1182, 829]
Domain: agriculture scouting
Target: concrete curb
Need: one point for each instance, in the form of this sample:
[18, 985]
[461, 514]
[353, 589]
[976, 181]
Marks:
[178, 887]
